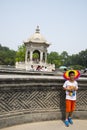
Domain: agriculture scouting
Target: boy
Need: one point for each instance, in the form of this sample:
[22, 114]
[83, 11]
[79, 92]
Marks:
[70, 86]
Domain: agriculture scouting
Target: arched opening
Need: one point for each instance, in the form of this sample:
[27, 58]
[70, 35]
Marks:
[36, 56]
[44, 57]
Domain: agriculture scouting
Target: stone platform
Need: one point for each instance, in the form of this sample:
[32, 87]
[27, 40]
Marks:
[50, 125]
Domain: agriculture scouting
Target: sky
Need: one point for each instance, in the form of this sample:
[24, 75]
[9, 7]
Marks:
[63, 23]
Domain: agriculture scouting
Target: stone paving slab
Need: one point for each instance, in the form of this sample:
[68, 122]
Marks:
[50, 125]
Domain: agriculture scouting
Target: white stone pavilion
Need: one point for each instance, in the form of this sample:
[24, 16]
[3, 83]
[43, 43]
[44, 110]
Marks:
[36, 53]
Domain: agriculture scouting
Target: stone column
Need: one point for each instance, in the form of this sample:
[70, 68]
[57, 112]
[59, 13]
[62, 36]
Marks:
[26, 56]
[41, 56]
[45, 56]
[31, 53]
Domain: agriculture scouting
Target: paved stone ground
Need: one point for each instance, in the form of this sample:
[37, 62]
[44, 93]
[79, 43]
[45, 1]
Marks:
[50, 125]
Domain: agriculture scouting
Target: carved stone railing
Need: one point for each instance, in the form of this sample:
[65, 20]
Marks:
[37, 98]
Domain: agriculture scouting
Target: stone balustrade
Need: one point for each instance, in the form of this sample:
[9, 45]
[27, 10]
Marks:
[37, 98]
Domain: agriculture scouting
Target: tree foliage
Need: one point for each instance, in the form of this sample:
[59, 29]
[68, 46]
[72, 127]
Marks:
[20, 54]
[35, 56]
[76, 61]
[54, 58]
[7, 56]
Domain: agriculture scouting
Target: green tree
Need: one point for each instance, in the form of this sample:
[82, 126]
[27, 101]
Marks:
[79, 59]
[35, 56]
[54, 58]
[20, 55]
[83, 58]
[77, 67]
[64, 56]
[7, 56]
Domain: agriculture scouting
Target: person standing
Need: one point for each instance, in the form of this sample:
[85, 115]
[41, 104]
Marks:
[70, 86]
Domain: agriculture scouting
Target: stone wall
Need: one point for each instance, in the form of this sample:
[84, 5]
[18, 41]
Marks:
[36, 98]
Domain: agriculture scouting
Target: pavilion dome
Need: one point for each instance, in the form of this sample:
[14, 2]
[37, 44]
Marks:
[37, 37]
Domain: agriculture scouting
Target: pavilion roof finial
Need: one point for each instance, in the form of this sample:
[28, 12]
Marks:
[37, 29]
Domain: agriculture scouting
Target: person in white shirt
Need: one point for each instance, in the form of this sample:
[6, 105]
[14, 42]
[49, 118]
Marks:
[70, 86]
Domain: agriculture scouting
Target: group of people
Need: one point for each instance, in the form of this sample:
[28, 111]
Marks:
[38, 68]
[41, 68]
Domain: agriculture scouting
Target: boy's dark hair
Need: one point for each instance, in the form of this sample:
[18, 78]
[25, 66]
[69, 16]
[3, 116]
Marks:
[71, 72]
